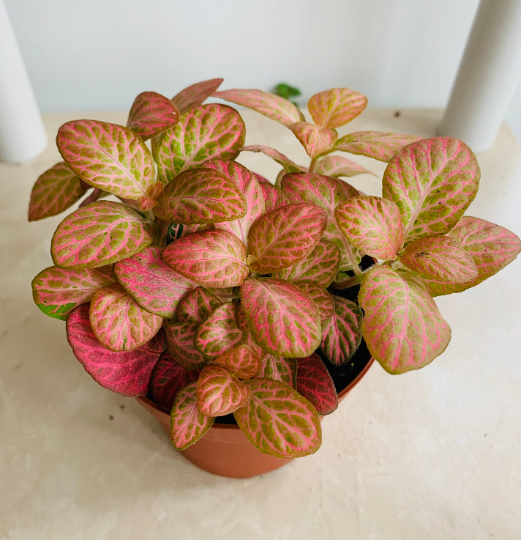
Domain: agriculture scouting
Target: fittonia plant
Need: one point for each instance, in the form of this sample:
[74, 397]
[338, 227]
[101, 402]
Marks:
[210, 289]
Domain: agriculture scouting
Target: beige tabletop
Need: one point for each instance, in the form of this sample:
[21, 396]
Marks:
[434, 454]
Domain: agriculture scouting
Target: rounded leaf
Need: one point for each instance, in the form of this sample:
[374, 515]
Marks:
[321, 297]
[339, 166]
[241, 361]
[315, 141]
[180, 342]
[198, 306]
[336, 107]
[151, 113]
[273, 197]
[278, 369]
[196, 94]
[315, 383]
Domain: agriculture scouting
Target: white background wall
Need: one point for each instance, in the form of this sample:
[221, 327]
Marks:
[99, 54]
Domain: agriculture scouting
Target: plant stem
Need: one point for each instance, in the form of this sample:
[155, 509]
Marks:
[351, 282]
[312, 165]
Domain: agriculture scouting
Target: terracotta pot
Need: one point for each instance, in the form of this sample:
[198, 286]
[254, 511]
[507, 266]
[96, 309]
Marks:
[225, 450]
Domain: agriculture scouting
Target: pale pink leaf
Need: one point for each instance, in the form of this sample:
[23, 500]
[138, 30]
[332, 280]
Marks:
[180, 342]
[315, 383]
[198, 306]
[315, 141]
[321, 297]
[278, 369]
[273, 197]
[196, 94]
[151, 113]
[336, 107]
[281, 159]
[338, 166]
[241, 361]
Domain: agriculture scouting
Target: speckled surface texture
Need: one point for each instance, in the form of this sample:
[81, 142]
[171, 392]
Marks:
[433, 454]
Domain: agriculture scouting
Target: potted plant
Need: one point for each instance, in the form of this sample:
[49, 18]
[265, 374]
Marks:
[245, 308]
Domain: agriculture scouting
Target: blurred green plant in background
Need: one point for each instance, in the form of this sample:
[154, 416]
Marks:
[286, 91]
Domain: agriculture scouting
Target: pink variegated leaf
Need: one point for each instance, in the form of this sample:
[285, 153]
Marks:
[315, 383]
[433, 182]
[284, 236]
[336, 107]
[206, 132]
[315, 141]
[200, 196]
[374, 144]
[198, 306]
[247, 184]
[281, 159]
[175, 231]
[152, 283]
[372, 224]
[439, 258]
[219, 332]
[180, 342]
[321, 297]
[273, 197]
[57, 292]
[491, 247]
[196, 94]
[342, 335]
[338, 166]
[247, 336]
[107, 156]
[151, 114]
[187, 424]
[327, 193]
[320, 266]
[275, 107]
[57, 189]
[283, 319]
[241, 361]
[210, 258]
[402, 326]
[119, 322]
[127, 373]
[219, 392]
[278, 420]
[102, 233]
[278, 369]
[167, 379]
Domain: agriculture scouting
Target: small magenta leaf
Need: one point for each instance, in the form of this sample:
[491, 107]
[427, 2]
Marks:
[315, 383]
[321, 297]
[283, 319]
[315, 141]
[338, 166]
[127, 373]
[210, 258]
[187, 424]
[102, 233]
[180, 342]
[275, 107]
[273, 197]
[375, 144]
[219, 392]
[281, 159]
[342, 335]
[334, 108]
[402, 326]
[278, 420]
[57, 291]
[320, 266]
[372, 224]
[433, 182]
[206, 132]
[241, 361]
[152, 283]
[198, 306]
[278, 369]
[152, 113]
[219, 332]
[284, 236]
[119, 322]
[108, 157]
[167, 379]
[196, 94]
[200, 196]
[57, 189]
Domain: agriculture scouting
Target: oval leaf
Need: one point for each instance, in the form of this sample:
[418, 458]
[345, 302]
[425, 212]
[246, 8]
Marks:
[151, 113]
[196, 94]
[433, 182]
[372, 224]
[315, 141]
[57, 292]
[210, 258]
[284, 236]
[187, 424]
[339, 166]
[180, 342]
[321, 297]
[198, 306]
[281, 159]
[375, 144]
[108, 157]
[402, 327]
[342, 335]
[336, 107]
[200, 196]
[247, 336]
[56, 189]
[278, 421]
[241, 361]
[219, 392]
[275, 107]
[273, 197]
[127, 373]
[315, 383]
[102, 233]
[278, 369]
[283, 319]
[152, 283]
[206, 132]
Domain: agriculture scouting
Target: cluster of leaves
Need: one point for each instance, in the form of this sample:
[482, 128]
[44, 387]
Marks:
[210, 288]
